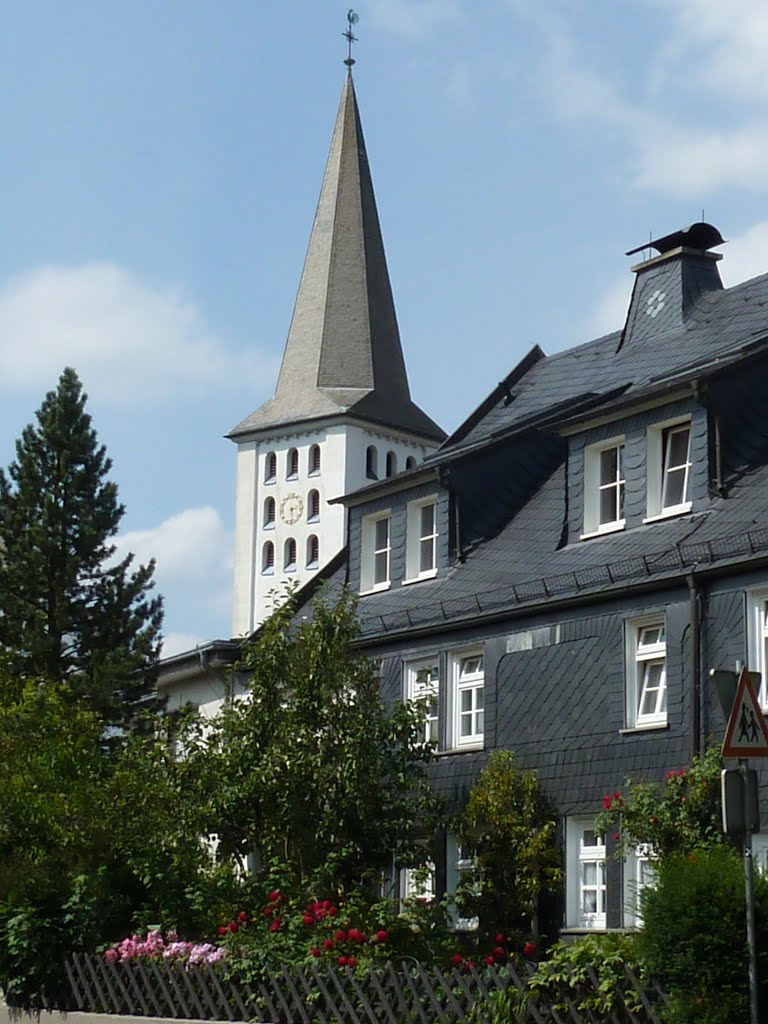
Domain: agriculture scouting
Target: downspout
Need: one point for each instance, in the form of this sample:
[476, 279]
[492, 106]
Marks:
[695, 696]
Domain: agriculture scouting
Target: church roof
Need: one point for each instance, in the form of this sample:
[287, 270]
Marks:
[343, 353]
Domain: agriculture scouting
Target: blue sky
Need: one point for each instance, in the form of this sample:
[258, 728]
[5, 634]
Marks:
[160, 165]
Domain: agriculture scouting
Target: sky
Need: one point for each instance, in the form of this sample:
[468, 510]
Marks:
[160, 163]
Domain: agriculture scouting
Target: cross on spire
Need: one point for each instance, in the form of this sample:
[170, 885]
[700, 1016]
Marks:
[352, 19]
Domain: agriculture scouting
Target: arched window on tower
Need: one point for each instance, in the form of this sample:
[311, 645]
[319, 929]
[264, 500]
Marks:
[270, 468]
[268, 558]
[313, 506]
[391, 464]
[289, 556]
[269, 513]
[372, 463]
[314, 460]
[313, 552]
[410, 462]
[292, 466]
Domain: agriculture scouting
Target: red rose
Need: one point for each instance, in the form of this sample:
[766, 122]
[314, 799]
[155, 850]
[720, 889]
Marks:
[274, 896]
[381, 936]
[342, 961]
[499, 953]
[615, 835]
[223, 930]
[275, 925]
[607, 803]
[457, 959]
[242, 917]
[308, 920]
[332, 911]
[328, 944]
[470, 964]
[315, 951]
[490, 961]
[233, 926]
[320, 914]
[499, 939]
[351, 961]
[340, 936]
[268, 911]
[617, 796]
[529, 949]
[326, 904]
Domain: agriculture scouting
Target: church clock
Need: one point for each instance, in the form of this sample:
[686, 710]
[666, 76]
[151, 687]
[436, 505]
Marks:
[291, 508]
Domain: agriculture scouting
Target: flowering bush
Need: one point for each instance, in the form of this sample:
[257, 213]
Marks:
[678, 815]
[155, 946]
[503, 951]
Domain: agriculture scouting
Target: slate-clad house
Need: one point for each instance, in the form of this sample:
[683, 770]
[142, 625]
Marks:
[562, 573]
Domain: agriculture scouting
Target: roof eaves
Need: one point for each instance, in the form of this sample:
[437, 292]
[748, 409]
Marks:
[391, 485]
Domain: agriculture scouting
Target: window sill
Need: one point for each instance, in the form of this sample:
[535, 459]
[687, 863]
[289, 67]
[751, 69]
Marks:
[670, 513]
[643, 727]
[465, 748]
[601, 531]
[377, 589]
[420, 578]
[272, 480]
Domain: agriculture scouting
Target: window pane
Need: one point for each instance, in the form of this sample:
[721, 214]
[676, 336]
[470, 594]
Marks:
[381, 567]
[678, 447]
[466, 700]
[609, 464]
[427, 520]
[674, 487]
[589, 902]
[426, 555]
[480, 722]
[608, 510]
[382, 534]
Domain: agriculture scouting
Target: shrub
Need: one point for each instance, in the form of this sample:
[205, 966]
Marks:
[694, 937]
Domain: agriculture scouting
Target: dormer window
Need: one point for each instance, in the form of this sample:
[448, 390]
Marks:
[421, 539]
[375, 554]
[604, 487]
[669, 465]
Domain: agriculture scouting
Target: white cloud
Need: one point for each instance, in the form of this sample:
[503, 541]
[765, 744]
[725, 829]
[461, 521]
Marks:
[746, 255]
[128, 341]
[611, 310]
[412, 18]
[193, 552]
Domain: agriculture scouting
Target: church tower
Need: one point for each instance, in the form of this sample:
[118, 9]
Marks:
[342, 413]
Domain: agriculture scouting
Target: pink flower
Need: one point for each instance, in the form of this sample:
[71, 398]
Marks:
[110, 955]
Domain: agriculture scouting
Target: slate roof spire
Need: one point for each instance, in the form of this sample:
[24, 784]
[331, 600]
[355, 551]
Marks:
[343, 353]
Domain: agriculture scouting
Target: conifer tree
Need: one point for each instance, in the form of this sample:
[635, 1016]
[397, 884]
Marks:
[69, 612]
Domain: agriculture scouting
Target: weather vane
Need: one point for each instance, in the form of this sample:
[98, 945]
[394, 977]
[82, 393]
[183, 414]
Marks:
[352, 20]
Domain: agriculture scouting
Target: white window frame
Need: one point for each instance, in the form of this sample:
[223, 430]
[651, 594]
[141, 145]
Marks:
[415, 540]
[370, 552]
[658, 469]
[579, 857]
[418, 884]
[471, 683]
[641, 654]
[457, 863]
[757, 640]
[594, 486]
[636, 864]
[422, 682]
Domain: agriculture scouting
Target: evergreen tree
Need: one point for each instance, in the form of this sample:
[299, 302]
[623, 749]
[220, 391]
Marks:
[68, 611]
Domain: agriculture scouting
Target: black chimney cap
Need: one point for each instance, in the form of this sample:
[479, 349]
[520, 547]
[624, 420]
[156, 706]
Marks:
[696, 236]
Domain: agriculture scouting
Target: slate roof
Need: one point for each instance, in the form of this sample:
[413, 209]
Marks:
[721, 325]
[343, 354]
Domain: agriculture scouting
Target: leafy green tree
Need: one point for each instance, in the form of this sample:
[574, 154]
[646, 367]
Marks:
[511, 827]
[68, 610]
[315, 777]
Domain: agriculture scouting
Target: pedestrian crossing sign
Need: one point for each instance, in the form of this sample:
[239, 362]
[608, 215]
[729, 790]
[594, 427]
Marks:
[747, 733]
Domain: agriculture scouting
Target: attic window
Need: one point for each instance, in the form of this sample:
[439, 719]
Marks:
[669, 468]
[604, 487]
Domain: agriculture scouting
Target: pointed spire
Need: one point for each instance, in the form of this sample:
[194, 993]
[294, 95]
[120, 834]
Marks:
[343, 353]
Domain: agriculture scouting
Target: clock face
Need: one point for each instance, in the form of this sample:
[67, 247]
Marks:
[291, 508]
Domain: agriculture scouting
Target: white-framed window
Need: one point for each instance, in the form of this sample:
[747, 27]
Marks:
[421, 539]
[313, 506]
[760, 853]
[269, 513]
[313, 467]
[372, 462]
[292, 464]
[646, 672]
[289, 555]
[757, 640]
[585, 875]
[639, 874]
[669, 468]
[270, 468]
[418, 883]
[313, 551]
[422, 682]
[467, 699]
[604, 487]
[376, 551]
[459, 864]
[268, 558]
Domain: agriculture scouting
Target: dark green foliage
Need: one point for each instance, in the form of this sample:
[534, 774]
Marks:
[511, 828]
[694, 936]
[313, 773]
[67, 611]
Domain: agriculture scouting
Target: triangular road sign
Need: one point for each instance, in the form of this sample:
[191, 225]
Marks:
[747, 733]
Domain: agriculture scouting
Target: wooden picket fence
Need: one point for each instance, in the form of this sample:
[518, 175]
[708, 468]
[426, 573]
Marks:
[406, 993]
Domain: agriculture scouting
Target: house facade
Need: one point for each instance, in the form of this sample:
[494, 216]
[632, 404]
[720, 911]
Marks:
[562, 574]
